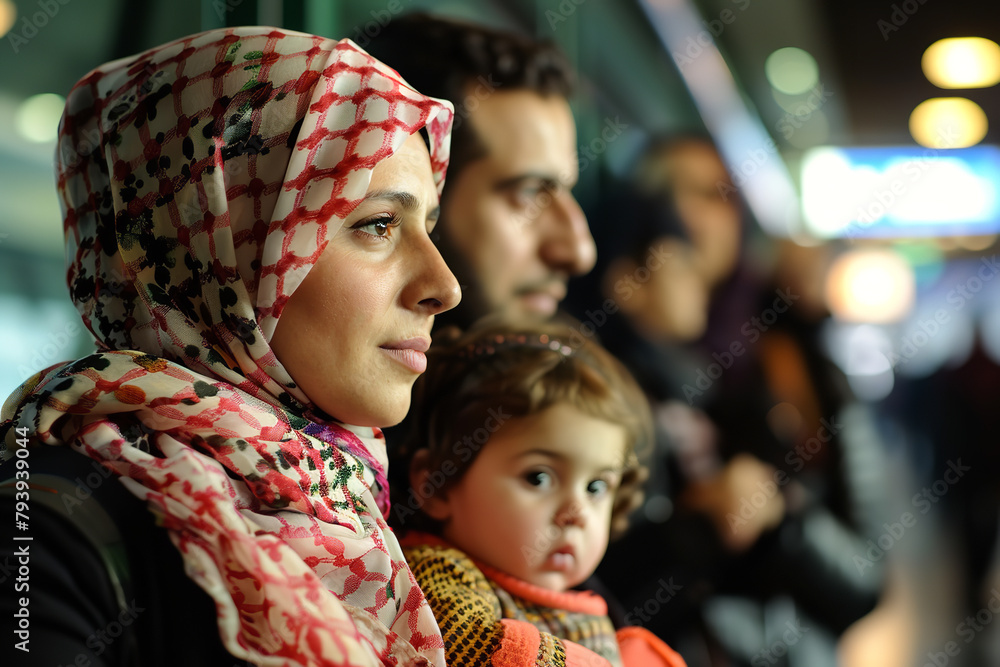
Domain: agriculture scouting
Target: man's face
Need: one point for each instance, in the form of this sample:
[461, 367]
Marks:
[511, 229]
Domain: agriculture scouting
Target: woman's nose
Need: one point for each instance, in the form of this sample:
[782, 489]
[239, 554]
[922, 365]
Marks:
[435, 287]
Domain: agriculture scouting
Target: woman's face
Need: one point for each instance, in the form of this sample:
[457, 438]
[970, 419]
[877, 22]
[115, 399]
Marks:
[353, 335]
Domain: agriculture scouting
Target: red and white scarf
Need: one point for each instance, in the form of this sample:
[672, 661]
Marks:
[200, 182]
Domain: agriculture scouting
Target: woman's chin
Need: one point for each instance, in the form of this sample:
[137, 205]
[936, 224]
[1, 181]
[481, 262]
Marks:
[371, 414]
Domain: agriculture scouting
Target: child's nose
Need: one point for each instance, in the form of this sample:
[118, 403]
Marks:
[571, 514]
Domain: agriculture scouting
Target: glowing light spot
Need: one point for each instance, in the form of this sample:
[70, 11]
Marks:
[962, 62]
[948, 122]
[38, 117]
[791, 70]
[875, 286]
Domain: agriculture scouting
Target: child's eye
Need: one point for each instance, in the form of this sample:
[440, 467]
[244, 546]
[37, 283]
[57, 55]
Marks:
[538, 478]
[597, 487]
[378, 226]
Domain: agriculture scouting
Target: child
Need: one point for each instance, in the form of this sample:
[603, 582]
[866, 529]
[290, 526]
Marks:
[522, 461]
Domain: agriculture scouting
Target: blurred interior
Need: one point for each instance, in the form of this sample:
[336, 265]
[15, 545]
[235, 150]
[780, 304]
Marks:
[868, 175]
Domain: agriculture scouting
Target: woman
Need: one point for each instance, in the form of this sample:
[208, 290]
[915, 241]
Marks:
[248, 214]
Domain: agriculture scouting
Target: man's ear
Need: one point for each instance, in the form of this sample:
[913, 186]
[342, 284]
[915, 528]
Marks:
[433, 501]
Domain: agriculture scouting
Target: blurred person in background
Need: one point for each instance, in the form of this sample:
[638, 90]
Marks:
[510, 227]
[753, 511]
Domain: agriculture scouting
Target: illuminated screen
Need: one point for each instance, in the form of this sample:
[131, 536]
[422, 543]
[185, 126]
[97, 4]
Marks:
[901, 192]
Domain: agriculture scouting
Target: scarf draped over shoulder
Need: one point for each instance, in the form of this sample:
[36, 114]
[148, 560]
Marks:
[200, 181]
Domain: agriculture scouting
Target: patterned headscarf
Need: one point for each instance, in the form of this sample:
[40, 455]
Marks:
[200, 181]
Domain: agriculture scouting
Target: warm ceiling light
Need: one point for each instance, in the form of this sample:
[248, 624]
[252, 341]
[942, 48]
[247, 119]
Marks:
[876, 286]
[791, 71]
[8, 14]
[962, 62]
[948, 122]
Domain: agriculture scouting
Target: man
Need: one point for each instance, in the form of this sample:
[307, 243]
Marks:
[510, 227]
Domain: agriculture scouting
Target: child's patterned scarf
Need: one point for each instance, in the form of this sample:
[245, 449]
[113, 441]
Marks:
[200, 182]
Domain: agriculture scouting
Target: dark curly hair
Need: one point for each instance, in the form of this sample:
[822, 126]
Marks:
[447, 58]
[472, 379]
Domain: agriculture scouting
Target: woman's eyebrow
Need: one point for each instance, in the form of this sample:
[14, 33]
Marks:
[405, 200]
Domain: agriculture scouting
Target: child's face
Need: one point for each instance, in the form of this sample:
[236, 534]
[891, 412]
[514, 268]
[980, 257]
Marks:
[537, 501]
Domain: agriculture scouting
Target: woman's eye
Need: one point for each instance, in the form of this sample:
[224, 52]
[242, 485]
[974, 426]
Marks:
[538, 478]
[597, 487]
[380, 226]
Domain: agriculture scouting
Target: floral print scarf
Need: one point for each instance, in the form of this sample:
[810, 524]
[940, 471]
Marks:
[200, 181]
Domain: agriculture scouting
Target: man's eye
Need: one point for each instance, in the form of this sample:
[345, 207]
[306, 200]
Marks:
[538, 478]
[529, 193]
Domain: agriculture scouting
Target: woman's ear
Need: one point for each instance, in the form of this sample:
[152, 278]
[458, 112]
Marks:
[433, 500]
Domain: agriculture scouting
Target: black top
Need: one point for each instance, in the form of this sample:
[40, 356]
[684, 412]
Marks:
[77, 615]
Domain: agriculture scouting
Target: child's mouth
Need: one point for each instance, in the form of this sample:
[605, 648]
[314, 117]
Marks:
[561, 560]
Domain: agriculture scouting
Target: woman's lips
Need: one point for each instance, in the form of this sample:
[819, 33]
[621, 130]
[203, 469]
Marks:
[409, 352]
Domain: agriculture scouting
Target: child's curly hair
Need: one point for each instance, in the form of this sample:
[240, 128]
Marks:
[497, 371]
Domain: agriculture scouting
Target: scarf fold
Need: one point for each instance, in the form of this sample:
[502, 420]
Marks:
[200, 181]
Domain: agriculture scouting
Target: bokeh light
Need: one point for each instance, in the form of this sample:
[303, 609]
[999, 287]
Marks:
[38, 117]
[8, 15]
[874, 286]
[962, 62]
[791, 71]
[948, 122]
